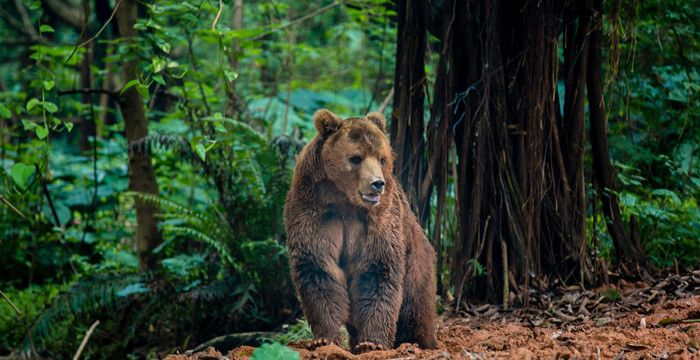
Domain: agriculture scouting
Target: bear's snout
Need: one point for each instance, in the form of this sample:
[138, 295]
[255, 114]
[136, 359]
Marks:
[378, 185]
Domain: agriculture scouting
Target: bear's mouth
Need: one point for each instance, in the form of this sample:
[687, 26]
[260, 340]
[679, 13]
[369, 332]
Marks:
[371, 198]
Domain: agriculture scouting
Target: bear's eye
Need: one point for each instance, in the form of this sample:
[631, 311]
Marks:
[383, 161]
[356, 159]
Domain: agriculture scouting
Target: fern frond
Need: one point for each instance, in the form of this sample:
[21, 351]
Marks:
[88, 296]
[163, 142]
[239, 128]
[221, 248]
[165, 204]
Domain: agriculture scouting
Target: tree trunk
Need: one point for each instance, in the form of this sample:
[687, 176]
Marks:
[141, 175]
[235, 102]
[407, 125]
[628, 251]
[518, 170]
[509, 143]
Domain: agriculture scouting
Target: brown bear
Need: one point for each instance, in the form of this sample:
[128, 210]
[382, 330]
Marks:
[357, 254]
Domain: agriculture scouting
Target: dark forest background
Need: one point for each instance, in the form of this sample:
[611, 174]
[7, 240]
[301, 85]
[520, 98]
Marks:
[146, 149]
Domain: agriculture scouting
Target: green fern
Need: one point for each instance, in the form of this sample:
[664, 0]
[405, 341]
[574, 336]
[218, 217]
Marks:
[150, 298]
[194, 225]
[85, 297]
[217, 244]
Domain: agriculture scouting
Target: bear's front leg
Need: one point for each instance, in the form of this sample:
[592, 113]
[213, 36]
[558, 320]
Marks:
[314, 248]
[324, 297]
[376, 293]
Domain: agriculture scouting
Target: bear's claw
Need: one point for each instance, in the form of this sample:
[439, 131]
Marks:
[317, 343]
[367, 346]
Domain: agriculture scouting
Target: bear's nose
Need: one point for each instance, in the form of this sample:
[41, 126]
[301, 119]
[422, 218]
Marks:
[378, 185]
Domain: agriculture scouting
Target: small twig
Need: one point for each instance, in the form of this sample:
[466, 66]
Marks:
[10, 302]
[386, 100]
[29, 28]
[218, 14]
[85, 339]
[98, 32]
[86, 22]
[504, 265]
[194, 66]
[380, 73]
[13, 23]
[48, 195]
[7, 202]
[298, 20]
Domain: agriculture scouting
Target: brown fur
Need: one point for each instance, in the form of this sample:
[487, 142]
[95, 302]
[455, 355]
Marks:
[356, 263]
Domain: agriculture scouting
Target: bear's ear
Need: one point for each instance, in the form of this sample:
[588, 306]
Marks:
[326, 122]
[378, 119]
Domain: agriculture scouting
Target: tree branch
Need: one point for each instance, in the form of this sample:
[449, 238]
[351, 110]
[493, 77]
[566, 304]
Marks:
[98, 31]
[85, 340]
[71, 16]
[299, 19]
[48, 195]
[9, 204]
[11, 303]
[28, 27]
[218, 15]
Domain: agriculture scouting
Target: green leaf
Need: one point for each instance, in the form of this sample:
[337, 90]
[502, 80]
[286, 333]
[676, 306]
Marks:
[230, 75]
[50, 107]
[157, 64]
[21, 173]
[41, 132]
[667, 321]
[32, 103]
[667, 193]
[45, 29]
[218, 126]
[184, 265]
[201, 151]
[128, 85]
[163, 45]
[143, 90]
[47, 84]
[68, 126]
[159, 79]
[28, 125]
[198, 147]
[5, 113]
[274, 351]
[137, 288]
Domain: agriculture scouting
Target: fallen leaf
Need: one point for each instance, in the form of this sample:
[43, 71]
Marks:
[635, 346]
[667, 321]
[603, 321]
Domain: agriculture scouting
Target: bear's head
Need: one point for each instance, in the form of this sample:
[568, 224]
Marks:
[356, 155]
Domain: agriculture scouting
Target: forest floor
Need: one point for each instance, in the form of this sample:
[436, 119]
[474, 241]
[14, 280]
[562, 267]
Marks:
[657, 319]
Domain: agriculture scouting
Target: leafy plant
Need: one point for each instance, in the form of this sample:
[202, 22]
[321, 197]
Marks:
[274, 351]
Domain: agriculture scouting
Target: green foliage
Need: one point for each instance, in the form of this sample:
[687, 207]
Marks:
[13, 326]
[274, 351]
[654, 139]
[611, 294]
[295, 332]
[228, 109]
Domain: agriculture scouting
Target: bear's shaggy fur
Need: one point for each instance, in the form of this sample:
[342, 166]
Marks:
[358, 256]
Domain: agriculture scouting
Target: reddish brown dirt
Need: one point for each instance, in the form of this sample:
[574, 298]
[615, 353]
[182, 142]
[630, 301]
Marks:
[669, 330]
[651, 319]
